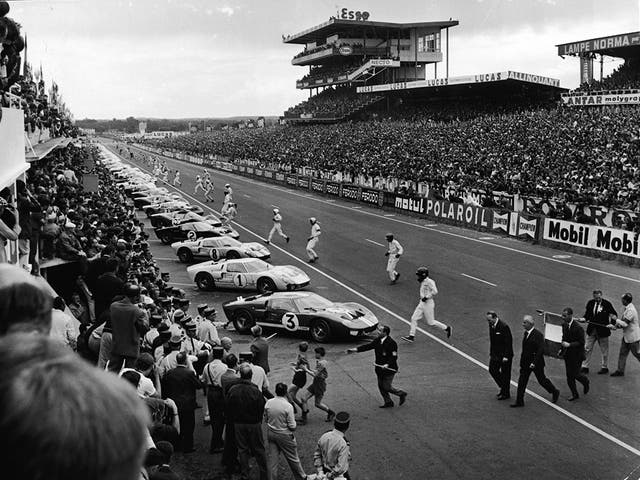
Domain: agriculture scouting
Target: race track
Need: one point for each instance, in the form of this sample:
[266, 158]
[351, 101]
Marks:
[452, 426]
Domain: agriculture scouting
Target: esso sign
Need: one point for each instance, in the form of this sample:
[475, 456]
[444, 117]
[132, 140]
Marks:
[346, 50]
[346, 14]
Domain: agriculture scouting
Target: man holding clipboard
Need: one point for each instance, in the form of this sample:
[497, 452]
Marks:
[386, 364]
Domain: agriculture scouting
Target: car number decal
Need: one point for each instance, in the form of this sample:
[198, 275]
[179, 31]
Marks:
[191, 235]
[290, 321]
[240, 280]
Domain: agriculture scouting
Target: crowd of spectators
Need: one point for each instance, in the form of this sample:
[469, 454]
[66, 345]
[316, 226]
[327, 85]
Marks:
[625, 77]
[578, 155]
[331, 103]
[322, 73]
[11, 44]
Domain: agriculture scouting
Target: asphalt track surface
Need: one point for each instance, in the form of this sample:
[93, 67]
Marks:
[452, 426]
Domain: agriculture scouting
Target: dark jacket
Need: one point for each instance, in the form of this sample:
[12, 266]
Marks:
[533, 350]
[245, 403]
[108, 285]
[575, 336]
[128, 323]
[501, 342]
[180, 384]
[386, 352]
[260, 350]
[599, 315]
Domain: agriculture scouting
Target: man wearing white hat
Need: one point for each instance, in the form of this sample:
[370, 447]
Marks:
[277, 226]
[313, 239]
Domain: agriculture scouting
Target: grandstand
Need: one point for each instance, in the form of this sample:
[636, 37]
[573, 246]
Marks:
[342, 54]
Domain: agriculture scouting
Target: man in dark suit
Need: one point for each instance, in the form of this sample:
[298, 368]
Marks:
[180, 384]
[108, 285]
[128, 323]
[573, 353]
[597, 313]
[532, 360]
[500, 354]
[260, 349]
[386, 364]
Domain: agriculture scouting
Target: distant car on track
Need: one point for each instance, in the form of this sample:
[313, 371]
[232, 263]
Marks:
[247, 274]
[301, 311]
[170, 206]
[178, 217]
[219, 248]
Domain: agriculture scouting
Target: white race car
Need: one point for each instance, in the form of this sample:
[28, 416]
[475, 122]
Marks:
[247, 274]
[218, 248]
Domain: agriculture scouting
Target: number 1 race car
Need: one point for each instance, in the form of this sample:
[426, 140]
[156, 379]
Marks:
[303, 312]
[247, 274]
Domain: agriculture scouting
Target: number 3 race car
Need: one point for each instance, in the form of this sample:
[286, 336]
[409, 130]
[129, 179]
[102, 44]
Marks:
[303, 312]
[247, 274]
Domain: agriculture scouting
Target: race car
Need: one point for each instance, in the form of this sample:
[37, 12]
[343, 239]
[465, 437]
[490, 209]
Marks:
[170, 206]
[178, 217]
[188, 231]
[247, 274]
[218, 248]
[142, 202]
[301, 312]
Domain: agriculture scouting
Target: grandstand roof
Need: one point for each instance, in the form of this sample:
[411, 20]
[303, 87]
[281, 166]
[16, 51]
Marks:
[623, 45]
[336, 25]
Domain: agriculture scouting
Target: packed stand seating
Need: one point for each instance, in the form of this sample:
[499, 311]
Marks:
[331, 103]
[325, 72]
[579, 155]
[625, 77]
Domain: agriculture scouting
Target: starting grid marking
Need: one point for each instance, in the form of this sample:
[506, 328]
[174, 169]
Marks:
[478, 279]
[464, 355]
[375, 243]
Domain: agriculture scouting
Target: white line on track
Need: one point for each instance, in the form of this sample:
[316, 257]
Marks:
[464, 355]
[375, 243]
[390, 215]
[245, 195]
[356, 208]
[478, 279]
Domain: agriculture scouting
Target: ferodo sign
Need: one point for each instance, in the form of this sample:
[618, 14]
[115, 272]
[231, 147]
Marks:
[333, 188]
[292, 180]
[371, 196]
[468, 215]
[350, 192]
[594, 237]
[317, 186]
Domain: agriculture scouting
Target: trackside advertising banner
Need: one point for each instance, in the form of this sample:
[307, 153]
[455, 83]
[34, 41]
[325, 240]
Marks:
[468, 215]
[372, 196]
[604, 99]
[603, 239]
[515, 224]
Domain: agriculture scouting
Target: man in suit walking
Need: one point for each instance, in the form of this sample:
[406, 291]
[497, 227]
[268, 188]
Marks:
[128, 323]
[500, 354]
[597, 313]
[532, 360]
[260, 349]
[573, 353]
[386, 364]
[180, 384]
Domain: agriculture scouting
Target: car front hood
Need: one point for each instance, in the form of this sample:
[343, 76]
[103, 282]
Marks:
[291, 272]
[354, 313]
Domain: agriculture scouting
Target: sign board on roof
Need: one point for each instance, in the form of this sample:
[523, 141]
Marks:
[598, 44]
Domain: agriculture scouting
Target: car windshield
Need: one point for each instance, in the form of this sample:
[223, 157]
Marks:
[313, 301]
[257, 266]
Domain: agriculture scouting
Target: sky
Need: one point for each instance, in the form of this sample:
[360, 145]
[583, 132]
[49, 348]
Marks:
[221, 58]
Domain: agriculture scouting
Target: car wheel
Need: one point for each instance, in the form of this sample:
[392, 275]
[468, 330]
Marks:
[204, 281]
[243, 321]
[165, 238]
[266, 285]
[231, 254]
[321, 331]
[185, 255]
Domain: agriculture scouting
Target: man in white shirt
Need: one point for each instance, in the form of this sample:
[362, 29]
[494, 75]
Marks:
[313, 239]
[630, 333]
[258, 376]
[207, 331]
[394, 251]
[333, 452]
[143, 367]
[426, 306]
[281, 424]
[277, 227]
[62, 328]
[211, 377]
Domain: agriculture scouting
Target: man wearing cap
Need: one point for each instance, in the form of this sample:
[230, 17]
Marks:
[169, 361]
[245, 406]
[212, 379]
[207, 331]
[394, 251]
[630, 333]
[313, 239]
[200, 316]
[333, 454]
[147, 342]
[181, 384]
[128, 322]
[260, 349]
[277, 227]
[386, 364]
[162, 340]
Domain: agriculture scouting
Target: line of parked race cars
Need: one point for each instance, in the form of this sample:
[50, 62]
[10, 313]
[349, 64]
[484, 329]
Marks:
[234, 265]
